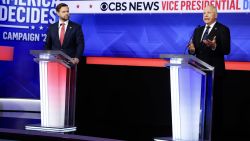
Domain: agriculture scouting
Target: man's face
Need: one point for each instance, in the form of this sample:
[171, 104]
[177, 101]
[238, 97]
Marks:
[209, 15]
[63, 13]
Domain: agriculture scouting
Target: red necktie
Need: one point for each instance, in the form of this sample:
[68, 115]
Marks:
[62, 33]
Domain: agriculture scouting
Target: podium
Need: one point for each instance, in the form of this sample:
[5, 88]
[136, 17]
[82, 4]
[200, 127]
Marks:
[57, 91]
[191, 83]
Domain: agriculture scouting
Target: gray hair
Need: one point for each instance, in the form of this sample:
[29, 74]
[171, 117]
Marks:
[213, 8]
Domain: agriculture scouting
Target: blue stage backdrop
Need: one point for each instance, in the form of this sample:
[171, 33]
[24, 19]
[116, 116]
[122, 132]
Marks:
[148, 35]
[23, 25]
[111, 28]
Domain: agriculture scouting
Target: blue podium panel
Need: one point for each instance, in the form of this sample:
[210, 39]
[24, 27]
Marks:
[191, 97]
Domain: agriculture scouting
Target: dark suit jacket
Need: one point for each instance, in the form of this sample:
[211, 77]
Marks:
[213, 57]
[73, 42]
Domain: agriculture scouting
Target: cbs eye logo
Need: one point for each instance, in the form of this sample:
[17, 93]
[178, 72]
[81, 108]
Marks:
[104, 6]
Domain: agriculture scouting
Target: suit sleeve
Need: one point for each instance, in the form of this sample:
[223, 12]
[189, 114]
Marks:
[224, 42]
[79, 42]
[48, 43]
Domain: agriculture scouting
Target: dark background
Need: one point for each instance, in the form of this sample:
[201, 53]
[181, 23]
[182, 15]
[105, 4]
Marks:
[134, 103]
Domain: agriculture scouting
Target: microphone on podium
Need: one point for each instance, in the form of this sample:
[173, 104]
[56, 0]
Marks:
[191, 39]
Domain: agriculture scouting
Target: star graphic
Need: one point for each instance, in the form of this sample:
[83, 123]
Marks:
[32, 27]
[77, 6]
[90, 6]
[40, 27]
[145, 45]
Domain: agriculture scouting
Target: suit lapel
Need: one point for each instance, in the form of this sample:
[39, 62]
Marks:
[212, 33]
[200, 33]
[56, 33]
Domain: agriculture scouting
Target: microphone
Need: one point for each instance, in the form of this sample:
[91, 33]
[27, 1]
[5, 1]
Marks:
[191, 39]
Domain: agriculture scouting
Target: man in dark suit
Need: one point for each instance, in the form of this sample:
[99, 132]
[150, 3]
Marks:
[65, 35]
[210, 43]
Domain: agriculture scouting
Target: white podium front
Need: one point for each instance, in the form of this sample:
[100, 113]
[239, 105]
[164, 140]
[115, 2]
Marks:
[57, 91]
[191, 98]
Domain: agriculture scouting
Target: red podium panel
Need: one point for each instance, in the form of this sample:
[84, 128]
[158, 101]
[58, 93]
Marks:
[57, 91]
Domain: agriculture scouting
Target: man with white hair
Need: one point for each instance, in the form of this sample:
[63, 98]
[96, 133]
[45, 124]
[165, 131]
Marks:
[210, 43]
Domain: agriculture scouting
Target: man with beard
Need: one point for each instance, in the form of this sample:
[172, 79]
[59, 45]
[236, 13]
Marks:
[65, 35]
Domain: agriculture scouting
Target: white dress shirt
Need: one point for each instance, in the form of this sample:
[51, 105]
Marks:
[60, 27]
[211, 27]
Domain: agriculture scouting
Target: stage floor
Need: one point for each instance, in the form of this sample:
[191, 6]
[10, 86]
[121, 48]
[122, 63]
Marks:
[12, 128]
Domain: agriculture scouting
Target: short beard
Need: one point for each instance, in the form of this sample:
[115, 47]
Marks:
[64, 19]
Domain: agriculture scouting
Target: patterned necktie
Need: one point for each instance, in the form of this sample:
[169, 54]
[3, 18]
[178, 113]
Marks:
[62, 33]
[205, 36]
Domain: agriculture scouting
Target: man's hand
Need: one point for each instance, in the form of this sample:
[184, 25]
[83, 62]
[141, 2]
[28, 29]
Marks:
[75, 60]
[191, 48]
[211, 43]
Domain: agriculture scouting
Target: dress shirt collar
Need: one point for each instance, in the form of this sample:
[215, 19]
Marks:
[211, 26]
[66, 23]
